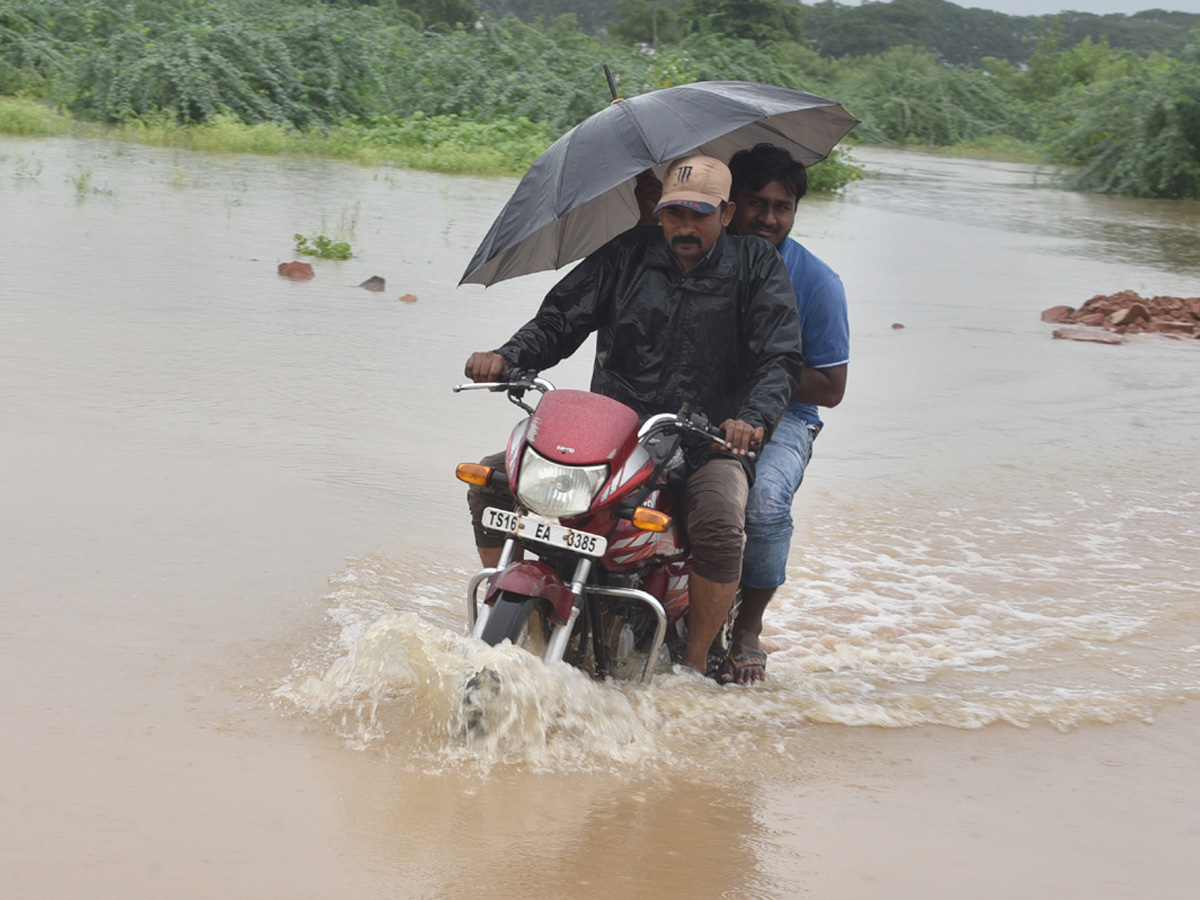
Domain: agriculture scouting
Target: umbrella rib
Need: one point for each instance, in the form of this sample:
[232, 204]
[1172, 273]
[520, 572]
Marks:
[767, 126]
[618, 109]
[640, 130]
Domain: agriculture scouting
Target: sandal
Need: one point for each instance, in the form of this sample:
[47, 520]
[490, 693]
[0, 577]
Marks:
[739, 667]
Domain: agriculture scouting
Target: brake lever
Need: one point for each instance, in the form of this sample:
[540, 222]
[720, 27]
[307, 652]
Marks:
[478, 386]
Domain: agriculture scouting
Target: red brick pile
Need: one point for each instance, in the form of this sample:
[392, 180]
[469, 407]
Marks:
[1127, 313]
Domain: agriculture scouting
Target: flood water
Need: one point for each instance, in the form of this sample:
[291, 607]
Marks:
[233, 557]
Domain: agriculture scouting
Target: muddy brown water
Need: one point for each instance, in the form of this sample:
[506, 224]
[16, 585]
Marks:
[232, 559]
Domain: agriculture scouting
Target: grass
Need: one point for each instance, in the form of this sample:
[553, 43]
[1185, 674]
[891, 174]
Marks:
[81, 178]
[997, 149]
[28, 117]
[27, 168]
[224, 135]
[445, 144]
[435, 144]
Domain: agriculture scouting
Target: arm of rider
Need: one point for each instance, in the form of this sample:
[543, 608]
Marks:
[739, 436]
[821, 387]
[485, 366]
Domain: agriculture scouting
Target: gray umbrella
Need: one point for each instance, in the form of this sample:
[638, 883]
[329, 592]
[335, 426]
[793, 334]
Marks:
[579, 193]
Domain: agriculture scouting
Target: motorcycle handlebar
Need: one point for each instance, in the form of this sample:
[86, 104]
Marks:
[510, 379]
[514, 382]
[694, 424]
[517, 381]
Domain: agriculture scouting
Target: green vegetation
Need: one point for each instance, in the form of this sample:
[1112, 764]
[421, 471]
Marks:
[18, 116]
[485, 85]
[834, 173]
[1135, 134]
[81, 178]
[27, 168]
[323, 247]
[321, 244]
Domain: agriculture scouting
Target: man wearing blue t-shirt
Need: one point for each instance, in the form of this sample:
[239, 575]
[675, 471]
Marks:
[767, 182]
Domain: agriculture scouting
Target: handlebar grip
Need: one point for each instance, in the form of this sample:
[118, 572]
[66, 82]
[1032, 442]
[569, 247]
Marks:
[519, 376]
[754, 451]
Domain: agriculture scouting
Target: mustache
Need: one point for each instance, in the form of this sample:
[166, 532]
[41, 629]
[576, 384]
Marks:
[681, 239]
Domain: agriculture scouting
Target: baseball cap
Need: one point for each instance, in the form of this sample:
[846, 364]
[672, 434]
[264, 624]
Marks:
[697, 182]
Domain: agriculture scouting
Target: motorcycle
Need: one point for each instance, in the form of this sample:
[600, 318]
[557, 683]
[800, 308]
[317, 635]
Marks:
[608, 592]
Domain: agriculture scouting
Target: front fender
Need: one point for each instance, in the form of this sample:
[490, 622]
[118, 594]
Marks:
[533, 578]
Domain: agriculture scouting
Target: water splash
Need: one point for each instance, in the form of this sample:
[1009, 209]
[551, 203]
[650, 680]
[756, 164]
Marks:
[958, 616]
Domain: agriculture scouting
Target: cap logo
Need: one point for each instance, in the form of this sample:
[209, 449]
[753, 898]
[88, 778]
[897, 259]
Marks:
[697, 182]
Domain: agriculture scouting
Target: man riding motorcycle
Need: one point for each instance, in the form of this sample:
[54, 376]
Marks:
[684, 314]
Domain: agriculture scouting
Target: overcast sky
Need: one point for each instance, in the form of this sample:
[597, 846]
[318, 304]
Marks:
[1042, 7]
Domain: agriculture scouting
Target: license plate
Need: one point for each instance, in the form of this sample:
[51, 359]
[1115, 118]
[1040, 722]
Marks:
[544, 531]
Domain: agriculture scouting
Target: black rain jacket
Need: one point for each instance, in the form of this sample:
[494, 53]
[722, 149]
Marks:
[723, 337]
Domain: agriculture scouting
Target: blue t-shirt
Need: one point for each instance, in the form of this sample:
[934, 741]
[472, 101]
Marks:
[824, 321]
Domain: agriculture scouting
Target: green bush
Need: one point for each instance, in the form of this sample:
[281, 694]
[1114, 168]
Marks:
[323, 247]
[1139, 134]
[834, 173]
[906, 97]
[19, 116]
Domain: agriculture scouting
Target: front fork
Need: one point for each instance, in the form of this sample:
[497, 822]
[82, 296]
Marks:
[477, 614]
[475, 619]
[556, 647]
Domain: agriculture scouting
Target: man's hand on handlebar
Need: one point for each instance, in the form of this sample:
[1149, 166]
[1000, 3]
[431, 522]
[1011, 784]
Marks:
[485, 366]
[739, 436]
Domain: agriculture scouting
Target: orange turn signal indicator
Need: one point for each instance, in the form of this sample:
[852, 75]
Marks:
[474, 473]
[650, 519]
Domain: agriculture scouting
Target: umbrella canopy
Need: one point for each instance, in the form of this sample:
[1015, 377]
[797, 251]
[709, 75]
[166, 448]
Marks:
[579, 193]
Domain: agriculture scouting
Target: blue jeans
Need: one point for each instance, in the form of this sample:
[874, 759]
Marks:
[769, 527]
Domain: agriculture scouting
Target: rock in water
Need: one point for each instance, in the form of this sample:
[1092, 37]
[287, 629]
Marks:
[296, 271]
[1083, 334]
[1130, 314]
[1058, 314]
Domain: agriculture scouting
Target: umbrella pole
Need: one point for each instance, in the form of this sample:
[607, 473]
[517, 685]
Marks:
[612, 85]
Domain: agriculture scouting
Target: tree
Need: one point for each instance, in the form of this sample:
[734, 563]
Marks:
[907, 96]
[1136, 134]
[648, 22]
[442, 12]
[592, 15]
[427, 13]
[761, 21]
[865, 30]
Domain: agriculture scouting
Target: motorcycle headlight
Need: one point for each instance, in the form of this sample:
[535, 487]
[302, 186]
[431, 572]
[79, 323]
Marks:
[552, 489]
